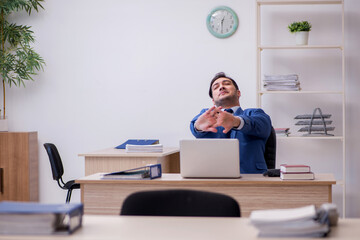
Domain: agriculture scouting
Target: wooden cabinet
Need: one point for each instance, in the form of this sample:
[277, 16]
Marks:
[19, 166]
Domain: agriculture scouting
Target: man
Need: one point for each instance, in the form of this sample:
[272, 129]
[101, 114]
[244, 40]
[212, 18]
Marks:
[251, 127]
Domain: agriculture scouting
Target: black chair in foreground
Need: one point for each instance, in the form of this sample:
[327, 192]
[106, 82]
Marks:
[180, 203]
[58, 170]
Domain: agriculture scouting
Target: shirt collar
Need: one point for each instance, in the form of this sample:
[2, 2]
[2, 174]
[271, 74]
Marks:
[234, 108]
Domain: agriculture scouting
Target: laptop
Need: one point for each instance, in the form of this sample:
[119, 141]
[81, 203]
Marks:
[209, 158]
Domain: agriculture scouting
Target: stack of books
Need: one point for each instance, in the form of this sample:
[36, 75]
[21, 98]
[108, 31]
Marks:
[296, 222]
[154, 148]
[296, 172]
[288, 82]
[141, 146]
[282, 131]
[30, 218]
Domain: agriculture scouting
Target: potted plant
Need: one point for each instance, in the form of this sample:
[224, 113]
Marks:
[301, 30]
[18, 60]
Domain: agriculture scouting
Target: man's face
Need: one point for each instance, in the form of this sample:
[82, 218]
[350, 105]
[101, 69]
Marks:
[225, 93]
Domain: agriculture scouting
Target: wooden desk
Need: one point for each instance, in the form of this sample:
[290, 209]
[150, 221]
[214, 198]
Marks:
[111, 160]
[174, 228]
[252, 191]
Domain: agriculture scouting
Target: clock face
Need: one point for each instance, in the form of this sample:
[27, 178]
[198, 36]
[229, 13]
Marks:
[222, 22]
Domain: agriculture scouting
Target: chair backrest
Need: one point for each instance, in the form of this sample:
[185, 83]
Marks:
[55, 161]
[270, 150]
[180, 203]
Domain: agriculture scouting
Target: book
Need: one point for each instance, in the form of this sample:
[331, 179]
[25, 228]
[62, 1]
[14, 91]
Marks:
[287, 168]
[294, 222]
[32, 218]
[282, 131]
[281, 216]
[281, 77]
[288, 82]
[147, 172]
[138, 142]
[297, 176]
[282, 88]
[154, 148]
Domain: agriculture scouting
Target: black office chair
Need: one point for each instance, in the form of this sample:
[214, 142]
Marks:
[180, 203]
[58, 170]
[270, 150]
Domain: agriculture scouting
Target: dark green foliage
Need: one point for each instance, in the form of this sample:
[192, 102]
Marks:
[18, 60]
[299, 26]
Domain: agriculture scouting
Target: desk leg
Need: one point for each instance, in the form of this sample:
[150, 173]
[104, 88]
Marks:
[170, 163]
[330, 194]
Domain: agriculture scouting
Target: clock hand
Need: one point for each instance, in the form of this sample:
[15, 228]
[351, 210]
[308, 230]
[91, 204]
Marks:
[222, 24]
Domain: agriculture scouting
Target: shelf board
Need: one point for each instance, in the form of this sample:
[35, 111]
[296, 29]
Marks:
[301, 92]
[297, 2]
[265, 47]
[311, 138]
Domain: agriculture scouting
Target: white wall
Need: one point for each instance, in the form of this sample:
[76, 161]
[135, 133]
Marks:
[140, 69]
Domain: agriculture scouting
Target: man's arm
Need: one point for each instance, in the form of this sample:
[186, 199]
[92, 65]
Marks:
[198, 133]
[228, 121]
[207, 121]
[256, 123]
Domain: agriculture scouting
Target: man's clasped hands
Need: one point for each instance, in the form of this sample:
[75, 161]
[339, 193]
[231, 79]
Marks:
[215, 117]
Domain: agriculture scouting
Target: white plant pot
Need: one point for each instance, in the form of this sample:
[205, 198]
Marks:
[3, 124]
[302, 38]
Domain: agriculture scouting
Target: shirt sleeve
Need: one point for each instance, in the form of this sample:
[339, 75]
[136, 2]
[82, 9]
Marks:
[241, 123]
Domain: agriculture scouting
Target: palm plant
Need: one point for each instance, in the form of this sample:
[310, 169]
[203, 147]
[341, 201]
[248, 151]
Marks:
[18, 60]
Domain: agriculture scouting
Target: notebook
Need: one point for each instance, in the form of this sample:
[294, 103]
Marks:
[209, 158]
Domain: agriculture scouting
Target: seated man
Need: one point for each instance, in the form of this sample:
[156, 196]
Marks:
[226, 119]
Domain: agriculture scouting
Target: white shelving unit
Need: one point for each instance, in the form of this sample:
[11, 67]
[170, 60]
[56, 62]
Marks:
[263, 47]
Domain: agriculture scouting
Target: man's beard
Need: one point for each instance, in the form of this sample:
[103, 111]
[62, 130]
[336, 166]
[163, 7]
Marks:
[226, 101]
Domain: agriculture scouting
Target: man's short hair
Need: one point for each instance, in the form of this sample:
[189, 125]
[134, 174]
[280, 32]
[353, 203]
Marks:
[221, 75]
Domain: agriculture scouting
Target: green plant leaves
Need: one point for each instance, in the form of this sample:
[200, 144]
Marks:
[9, 6]
[299, 26]
[18, 61]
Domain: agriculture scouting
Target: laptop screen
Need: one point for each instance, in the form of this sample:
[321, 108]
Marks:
[209, 158]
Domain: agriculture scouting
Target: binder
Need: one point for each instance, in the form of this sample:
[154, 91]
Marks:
[138, 142]
[32, 218]
[147, 172]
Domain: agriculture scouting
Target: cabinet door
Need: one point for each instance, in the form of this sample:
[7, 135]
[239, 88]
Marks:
[19, 164]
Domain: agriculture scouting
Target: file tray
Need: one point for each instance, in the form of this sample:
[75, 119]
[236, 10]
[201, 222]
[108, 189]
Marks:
[317, 129]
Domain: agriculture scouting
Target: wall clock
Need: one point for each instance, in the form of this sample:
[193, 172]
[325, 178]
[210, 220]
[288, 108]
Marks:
[222, 22]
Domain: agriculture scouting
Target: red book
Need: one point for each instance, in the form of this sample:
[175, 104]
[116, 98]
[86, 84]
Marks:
[288, 168]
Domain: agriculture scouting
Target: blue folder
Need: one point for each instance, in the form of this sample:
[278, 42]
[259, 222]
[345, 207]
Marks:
[138, 142]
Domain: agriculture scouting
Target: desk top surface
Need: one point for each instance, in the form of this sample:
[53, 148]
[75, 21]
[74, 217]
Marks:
[246, 179]
[165, 228]
[113, 152]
